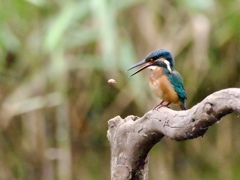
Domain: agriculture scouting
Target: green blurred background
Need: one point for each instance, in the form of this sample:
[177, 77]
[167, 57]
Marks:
[56, 57]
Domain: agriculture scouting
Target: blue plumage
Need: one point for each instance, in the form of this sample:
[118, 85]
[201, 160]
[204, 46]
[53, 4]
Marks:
[161, 53]
[176, 79]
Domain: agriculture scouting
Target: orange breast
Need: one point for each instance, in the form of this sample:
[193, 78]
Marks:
[162, 87]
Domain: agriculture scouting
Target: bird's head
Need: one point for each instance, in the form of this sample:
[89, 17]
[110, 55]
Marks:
[161, 57]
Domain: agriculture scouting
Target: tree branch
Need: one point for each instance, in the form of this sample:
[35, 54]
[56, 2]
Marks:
[132, 138]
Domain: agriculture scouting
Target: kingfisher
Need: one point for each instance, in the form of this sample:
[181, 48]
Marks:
[165, 82]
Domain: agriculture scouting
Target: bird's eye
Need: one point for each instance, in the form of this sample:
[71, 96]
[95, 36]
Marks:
[151, 59]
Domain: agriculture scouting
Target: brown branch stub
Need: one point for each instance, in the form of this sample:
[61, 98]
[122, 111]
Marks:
[132, 138]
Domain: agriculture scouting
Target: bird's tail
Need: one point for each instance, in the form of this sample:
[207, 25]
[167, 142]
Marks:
[183, 105]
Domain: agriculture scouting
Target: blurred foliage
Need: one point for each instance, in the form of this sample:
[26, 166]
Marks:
[56, 57]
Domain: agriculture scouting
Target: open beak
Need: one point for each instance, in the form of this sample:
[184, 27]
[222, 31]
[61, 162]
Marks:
[139, 64]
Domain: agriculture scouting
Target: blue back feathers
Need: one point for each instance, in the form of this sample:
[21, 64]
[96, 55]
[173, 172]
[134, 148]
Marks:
[176, 80]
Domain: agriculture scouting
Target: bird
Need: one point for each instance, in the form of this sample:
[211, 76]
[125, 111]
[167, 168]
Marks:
[165, 82]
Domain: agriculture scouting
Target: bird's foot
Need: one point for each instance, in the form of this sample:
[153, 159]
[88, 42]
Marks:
[158, 106]
[161, 105]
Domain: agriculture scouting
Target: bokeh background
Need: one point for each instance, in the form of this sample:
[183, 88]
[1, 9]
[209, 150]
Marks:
[56, 57]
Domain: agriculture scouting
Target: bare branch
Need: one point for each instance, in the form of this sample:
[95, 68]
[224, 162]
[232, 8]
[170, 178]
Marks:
[132, 138]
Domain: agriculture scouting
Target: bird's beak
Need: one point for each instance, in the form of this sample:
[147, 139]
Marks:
[139, 64]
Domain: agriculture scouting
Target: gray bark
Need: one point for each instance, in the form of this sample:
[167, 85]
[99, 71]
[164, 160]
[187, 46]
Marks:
[132, 138]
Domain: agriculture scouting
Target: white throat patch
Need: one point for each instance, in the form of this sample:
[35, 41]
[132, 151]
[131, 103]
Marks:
[168, 65]
[152, 67]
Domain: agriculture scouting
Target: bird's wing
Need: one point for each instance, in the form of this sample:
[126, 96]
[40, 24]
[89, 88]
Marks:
[177, 81]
